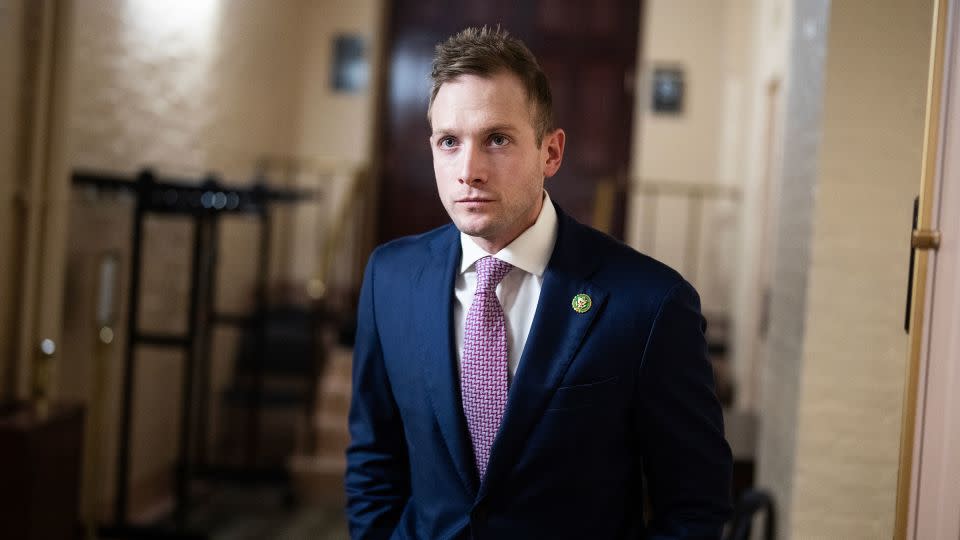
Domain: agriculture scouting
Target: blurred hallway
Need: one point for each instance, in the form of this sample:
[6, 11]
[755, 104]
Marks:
[190, 189]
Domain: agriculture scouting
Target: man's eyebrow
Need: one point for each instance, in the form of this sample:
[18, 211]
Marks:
[486, 130]
[499, 127]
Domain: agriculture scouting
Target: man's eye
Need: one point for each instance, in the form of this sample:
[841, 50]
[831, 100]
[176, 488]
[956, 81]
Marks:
[447, 142]
[498, 140]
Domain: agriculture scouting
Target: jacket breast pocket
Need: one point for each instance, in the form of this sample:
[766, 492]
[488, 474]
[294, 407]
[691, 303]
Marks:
[580, 396]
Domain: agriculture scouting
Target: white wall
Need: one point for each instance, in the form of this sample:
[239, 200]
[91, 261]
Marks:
[689, 34]
[770, 31]
[336, 129]
[780, 356]
[704, 145]
[338, 126]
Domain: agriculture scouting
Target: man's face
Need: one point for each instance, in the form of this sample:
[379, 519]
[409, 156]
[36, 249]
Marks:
[489, 168]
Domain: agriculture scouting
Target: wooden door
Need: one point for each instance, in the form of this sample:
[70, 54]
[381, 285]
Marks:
[587, 49]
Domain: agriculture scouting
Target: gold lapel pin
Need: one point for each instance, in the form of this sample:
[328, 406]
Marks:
[582, 303]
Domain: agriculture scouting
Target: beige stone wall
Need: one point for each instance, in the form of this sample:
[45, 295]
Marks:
[855, 348]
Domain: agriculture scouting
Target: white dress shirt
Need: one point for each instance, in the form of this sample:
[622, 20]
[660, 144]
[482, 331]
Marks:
[519, 292]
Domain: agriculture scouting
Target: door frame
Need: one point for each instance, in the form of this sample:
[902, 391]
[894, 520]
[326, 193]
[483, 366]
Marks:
[927, 501]
[39, 199]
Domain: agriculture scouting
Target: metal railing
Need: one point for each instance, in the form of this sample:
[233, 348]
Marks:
[696, 196]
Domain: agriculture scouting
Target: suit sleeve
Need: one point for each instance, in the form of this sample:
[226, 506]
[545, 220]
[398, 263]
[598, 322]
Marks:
[377, 479]
[686, 459]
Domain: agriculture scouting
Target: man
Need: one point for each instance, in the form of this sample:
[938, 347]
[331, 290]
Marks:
[517, 374]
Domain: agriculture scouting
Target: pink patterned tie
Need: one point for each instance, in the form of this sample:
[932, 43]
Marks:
[484, 364]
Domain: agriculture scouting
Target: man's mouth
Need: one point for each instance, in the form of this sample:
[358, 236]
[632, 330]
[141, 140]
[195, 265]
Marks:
[474, 200]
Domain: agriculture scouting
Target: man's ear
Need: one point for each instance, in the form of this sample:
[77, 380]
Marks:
[552, 151]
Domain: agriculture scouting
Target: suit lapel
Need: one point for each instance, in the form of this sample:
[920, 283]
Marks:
[555, 336]
[435, 285]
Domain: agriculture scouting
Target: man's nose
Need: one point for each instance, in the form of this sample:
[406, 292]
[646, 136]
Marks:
[472, 165]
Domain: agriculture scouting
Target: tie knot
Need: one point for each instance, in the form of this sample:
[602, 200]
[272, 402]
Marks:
[490, 271]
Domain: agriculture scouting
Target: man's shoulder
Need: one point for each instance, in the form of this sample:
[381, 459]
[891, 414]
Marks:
[414, 247]
[621, 265]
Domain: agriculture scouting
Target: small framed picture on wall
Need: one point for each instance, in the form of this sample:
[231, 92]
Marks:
[668, 90]
[350, 66]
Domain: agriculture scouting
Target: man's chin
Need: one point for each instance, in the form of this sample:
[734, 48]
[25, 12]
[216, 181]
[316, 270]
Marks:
[475, 227]
[476, 232]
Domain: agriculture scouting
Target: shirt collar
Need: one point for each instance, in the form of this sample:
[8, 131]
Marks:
[529, 252]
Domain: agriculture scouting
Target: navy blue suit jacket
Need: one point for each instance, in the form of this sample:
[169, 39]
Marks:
[602, 402]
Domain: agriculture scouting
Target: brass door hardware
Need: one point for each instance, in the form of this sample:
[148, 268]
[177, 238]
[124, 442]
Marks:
[925, 239]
